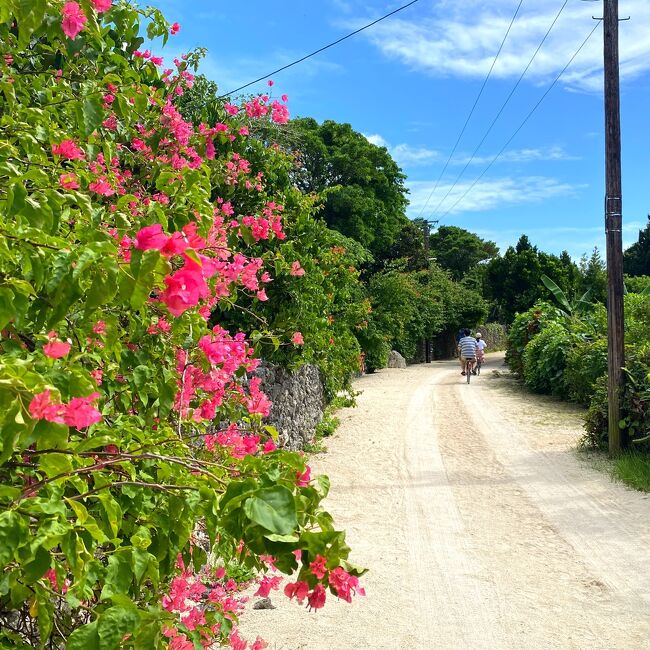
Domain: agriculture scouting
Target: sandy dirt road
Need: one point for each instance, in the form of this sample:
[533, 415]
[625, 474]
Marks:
[481, 527]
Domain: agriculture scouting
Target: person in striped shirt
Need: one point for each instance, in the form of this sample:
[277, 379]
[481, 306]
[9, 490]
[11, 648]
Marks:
[466, 350]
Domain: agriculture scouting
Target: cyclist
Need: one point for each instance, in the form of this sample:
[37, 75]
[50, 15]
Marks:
[480, 349]
[467, 351]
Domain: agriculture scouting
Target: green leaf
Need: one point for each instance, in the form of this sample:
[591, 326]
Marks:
[112, 511]
[13, 534]
[274, 509]
[55, 464]
[90, 114]
[7, 309]
[118, 575]
[31, 15]
[114, 624]
[84, 638]
[38, 566]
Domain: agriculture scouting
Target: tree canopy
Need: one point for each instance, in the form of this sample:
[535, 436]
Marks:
[362, 186]
[459, 250]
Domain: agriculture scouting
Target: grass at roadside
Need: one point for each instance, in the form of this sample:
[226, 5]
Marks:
[633, 469]
[328, 425]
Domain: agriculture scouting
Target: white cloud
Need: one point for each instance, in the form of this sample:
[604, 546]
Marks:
[486, 194]
[376, 139]
[461, 39]
[409, 156]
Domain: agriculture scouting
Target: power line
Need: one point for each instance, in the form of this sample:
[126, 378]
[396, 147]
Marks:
[321, 49]
[505, 103]
[480, 93]
[512, 137]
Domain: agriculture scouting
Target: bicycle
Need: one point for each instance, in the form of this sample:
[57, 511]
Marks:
[467, 367]
[479, 363]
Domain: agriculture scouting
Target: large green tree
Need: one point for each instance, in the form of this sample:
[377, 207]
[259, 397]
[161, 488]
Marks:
[513, 282]
[459, 250]
[362, 186]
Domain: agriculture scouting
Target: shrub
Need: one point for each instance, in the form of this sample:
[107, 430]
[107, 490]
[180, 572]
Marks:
[131, 439]
[524, 328]
[586, 362]
[545, 358]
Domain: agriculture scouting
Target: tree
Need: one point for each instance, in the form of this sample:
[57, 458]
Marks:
[409, 246]
[593, 273]
[636, 259]
[459, 250]
[363, 190]
[513, 282]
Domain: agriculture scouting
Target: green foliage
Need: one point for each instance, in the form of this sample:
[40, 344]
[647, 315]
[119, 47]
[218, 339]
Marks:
[633, 469]
[408, 307]
[637, 283]
[458, 250]
[514, 282]
[586, 362]
[636, 259]
[99, 514]
[363, 188]
[545, 359]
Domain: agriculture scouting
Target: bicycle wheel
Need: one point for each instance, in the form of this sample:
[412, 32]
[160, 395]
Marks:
[468, 371]
[478, 367]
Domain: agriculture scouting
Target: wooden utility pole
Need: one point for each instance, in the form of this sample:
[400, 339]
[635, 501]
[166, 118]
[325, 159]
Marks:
[427, 234]
[613, 226]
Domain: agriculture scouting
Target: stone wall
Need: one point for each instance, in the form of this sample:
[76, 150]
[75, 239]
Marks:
[298, 402]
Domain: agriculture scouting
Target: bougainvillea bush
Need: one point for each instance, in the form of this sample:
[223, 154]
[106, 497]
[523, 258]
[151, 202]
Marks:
[139, 488]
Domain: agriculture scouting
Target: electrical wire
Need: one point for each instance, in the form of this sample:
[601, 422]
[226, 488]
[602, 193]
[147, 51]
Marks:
[321, 49]
[480, 93]
[500, 111]
[535, 107]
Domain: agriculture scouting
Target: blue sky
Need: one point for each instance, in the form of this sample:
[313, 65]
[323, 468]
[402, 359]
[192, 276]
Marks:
[409, 82]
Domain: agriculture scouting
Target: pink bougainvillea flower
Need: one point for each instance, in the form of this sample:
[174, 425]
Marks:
[259, 644]
[68, 149]
[261, 295]
[74, 19]
[43, 408]
[151, 237]
[297, 338]
[175, 245]
[344, 584]
[99, 327]
[101, 186]
[285, 98]
[302, 480]
[184, 290]
[174, 29]
[101, 5]
[317, 597]
[269, 83]
[268, 583]
[296, 269]
[299, 590]
[318, 567]
[80, 413]
[56, 349]
[68, 182]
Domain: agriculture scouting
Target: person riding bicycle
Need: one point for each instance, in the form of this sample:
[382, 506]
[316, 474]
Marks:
[467, 351]
[480, 348]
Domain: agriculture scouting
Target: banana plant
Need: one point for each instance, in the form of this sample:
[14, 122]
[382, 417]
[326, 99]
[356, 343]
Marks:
[569, 309]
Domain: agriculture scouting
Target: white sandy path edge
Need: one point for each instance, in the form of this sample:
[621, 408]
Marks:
[479, 525]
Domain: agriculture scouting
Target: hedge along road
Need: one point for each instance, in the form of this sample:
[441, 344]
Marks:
[481, 527]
